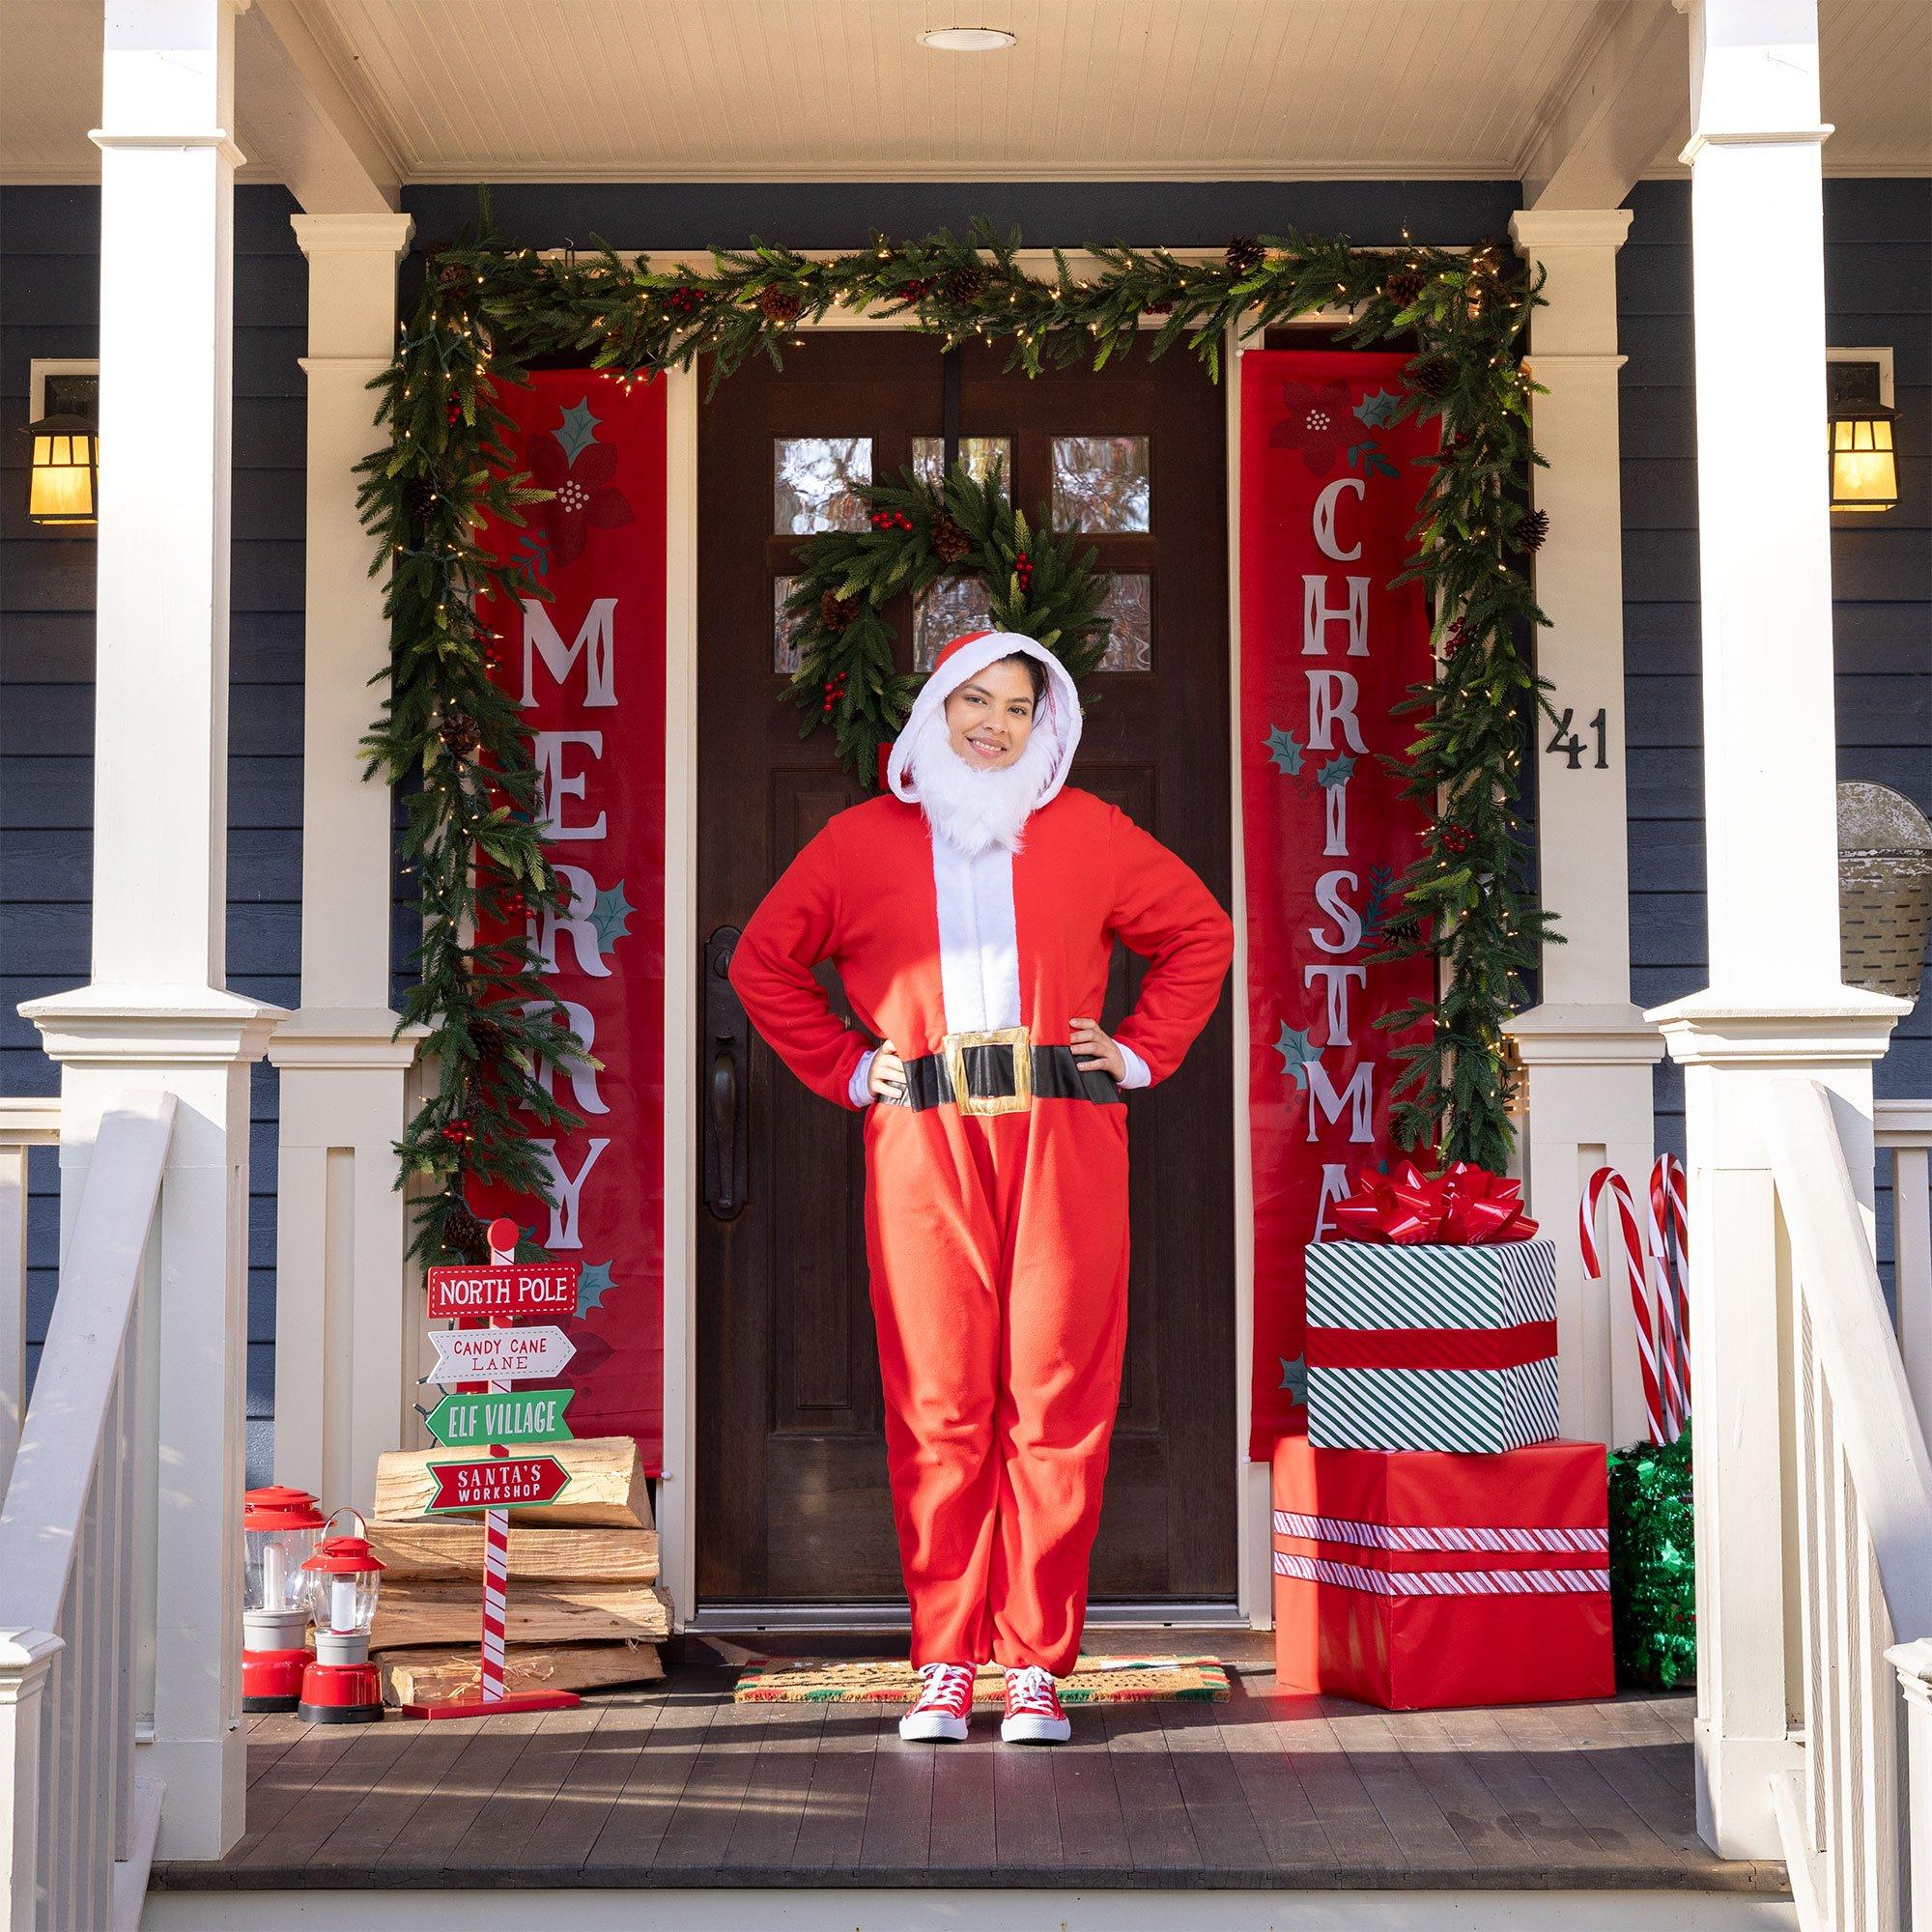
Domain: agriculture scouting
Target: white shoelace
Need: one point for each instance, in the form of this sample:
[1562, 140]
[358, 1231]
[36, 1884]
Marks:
[941, 1682]
[1031, 1689]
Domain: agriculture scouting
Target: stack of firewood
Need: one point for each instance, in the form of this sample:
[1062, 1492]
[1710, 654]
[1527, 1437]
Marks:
[584, 1609]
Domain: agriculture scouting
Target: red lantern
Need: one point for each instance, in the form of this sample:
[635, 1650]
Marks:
[279, 1529]
[345, 1578]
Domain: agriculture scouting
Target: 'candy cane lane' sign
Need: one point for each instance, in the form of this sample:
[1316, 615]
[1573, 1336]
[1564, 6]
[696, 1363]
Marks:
[504, 1288]
[499, 1482]
[500, 1354]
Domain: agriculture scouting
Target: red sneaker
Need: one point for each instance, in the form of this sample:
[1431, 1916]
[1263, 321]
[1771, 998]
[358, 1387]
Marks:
[944, 1704]
[1033, 1715]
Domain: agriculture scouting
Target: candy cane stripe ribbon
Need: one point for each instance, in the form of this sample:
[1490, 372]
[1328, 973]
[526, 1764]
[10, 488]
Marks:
[1433, 1536]
[1607, 1177]
[1441, 1582]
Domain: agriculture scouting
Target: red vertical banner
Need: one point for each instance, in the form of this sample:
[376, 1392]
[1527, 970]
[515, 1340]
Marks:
[1329, 488]
[587, 667]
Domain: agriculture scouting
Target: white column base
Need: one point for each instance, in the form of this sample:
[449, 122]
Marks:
[1743, 1489]
[1590, 1106]
[346, 1324]
[197, 1043]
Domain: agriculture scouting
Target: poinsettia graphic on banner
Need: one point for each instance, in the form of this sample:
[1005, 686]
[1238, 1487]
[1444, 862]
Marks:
[585, 664]
[1330, 483]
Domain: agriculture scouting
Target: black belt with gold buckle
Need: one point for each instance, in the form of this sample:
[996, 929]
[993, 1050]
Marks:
[1001, 1071]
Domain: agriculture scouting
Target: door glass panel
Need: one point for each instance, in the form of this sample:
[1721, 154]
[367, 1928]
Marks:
[785, 645]
[1100, 483]
[1129, 602]
[815, 483]
[948, 607]
[979, 453]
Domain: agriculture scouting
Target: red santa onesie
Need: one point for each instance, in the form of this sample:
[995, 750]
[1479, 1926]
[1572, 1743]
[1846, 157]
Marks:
[996, 1204]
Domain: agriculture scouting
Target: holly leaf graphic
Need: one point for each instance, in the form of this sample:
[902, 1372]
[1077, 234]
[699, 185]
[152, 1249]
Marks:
[607, 917]
[1378, 408]
[578, 431]
[1336, 771]
[593, 1284]
[1296, 1050]
[1286, 753]
[1295, 1379]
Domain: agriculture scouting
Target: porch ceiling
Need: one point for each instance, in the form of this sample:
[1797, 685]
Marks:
[662, 90]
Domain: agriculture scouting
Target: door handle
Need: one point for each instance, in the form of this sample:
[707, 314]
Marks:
[728, 1037]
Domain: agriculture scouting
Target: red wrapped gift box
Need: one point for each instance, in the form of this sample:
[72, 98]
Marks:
[1420, 1580]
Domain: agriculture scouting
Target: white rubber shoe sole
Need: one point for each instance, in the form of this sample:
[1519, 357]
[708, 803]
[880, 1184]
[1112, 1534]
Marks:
[1027, 1730]
[933, 1727]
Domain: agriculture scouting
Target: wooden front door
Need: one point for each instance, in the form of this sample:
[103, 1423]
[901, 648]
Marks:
[792, 1504]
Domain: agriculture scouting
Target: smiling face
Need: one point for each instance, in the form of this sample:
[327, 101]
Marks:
[990, 717]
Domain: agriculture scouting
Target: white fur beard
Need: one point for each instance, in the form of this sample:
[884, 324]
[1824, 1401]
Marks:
[978, 809]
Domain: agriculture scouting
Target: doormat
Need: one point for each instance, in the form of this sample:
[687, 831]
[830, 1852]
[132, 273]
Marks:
[1095, 1680]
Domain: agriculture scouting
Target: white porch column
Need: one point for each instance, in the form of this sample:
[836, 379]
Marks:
[1774, 1001]
[344, 1327]
[155, 1014]
[1587, 1049]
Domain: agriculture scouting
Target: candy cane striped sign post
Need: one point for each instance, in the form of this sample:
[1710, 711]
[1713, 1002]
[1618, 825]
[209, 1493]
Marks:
[1608, 1179]
[501, 1292]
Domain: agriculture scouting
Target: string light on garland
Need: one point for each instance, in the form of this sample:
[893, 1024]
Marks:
[446, 471]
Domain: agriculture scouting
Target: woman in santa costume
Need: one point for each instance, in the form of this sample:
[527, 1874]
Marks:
[970, 913]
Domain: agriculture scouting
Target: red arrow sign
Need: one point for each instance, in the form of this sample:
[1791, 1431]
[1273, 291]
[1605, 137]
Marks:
[501, 1482]
[515, 1288]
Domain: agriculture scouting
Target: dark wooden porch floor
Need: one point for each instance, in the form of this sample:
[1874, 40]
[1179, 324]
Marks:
[678, 1786]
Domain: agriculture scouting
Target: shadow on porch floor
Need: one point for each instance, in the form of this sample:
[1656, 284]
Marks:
[677, 1786]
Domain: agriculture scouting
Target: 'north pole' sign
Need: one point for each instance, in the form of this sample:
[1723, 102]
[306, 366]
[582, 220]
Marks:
[513, 1418]
[497, 1482]
[498, 1355]
[509, 1289]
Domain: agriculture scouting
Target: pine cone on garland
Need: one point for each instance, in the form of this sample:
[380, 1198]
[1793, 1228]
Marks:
[961, 286]
[949, 543]
[465, 1236]
[487, 1037]
[1405, 930]
[459, 732]
[1432, 376]
[448, 273]
[1402, 286]
[1165, 306]
[836, 612]
[1531, 534]
[1246, 255]
[782, 306]
[418, 499]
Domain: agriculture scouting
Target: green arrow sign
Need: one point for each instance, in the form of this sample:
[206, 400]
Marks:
[478, 1421]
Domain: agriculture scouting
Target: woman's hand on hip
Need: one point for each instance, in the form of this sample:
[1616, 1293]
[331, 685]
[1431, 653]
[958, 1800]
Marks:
[888, 1076]
[1092, 1049]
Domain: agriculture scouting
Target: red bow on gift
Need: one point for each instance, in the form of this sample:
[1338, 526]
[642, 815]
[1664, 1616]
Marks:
[1463, 1206]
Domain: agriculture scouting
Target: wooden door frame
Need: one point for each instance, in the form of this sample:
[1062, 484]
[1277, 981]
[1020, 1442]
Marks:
[677, 1502]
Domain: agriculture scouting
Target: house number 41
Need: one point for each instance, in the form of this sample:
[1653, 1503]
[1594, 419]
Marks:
[1567, 741]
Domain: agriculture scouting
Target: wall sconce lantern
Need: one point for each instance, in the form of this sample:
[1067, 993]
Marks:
[63, 471]
[1865, 466]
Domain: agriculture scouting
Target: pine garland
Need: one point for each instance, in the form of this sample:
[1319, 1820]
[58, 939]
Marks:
[451, 738]
[1035, 583]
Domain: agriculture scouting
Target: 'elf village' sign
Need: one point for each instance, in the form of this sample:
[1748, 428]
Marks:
[467, 1421]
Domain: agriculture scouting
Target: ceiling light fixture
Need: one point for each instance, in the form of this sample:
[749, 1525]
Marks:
[966, 40]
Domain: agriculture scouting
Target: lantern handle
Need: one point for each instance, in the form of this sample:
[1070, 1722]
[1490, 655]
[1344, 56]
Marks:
[361, 1523]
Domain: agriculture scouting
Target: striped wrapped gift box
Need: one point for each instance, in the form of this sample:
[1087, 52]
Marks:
[1432, 1347]
[1421, 1581]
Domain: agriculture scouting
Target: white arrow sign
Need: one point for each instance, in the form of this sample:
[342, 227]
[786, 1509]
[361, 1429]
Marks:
[498, 1355]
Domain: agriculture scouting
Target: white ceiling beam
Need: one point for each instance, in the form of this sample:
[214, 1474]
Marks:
[1629, 97]
[300, 123]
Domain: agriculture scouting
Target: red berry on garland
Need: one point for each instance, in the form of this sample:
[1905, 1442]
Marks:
[1532, 532]
[836, 612]
[1457, 839]
[1245, 254]
[448, 273]
[684, 299]
[515, 904]
[916, 289]
[458, 1130]
[780, 305]
[453, 413]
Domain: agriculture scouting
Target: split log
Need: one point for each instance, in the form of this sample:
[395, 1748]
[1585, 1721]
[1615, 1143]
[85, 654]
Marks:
[440, 1549]
[423, 1612]
[606, 1485]
[440, 1676]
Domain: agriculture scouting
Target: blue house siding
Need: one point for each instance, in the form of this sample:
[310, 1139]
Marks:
[1878, 292]
[50, 292]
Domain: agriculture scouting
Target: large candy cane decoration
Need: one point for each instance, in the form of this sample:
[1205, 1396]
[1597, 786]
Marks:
[1646, 1348]
[1669, 1245]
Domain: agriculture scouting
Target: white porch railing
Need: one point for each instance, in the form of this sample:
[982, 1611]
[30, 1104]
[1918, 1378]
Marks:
[78, 1830]
[24, 1125]
[1858, 1551]
[1904, 1131]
